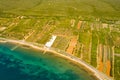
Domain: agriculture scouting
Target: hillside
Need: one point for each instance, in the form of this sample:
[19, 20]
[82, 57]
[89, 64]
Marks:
[88, 29]
[61, 7]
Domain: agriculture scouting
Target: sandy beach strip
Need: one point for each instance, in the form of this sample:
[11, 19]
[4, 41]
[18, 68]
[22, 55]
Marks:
[97, 74]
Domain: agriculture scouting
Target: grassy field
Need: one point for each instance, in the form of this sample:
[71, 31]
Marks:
[99, 8]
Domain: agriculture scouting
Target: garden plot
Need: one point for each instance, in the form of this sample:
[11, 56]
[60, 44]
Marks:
[117, 68]
[72, 45]
[19, 30]
[61, 43]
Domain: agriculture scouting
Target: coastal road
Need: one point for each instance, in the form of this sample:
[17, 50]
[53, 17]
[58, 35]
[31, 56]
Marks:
[98, 74]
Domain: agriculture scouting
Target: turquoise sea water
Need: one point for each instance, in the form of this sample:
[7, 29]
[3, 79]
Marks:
[26, 63]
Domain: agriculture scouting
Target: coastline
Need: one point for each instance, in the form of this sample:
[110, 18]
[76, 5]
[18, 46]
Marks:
[95, 72]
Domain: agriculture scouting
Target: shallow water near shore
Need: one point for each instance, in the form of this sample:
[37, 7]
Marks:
[18, 62]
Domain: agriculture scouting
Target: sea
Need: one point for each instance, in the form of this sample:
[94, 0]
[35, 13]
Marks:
[21, 62]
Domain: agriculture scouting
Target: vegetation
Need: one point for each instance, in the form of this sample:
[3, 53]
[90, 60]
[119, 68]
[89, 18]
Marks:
[94, 49]
[100, 8]
[117, 67]
[95, 24]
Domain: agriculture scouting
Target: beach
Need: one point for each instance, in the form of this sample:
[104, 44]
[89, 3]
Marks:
[90, 69]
